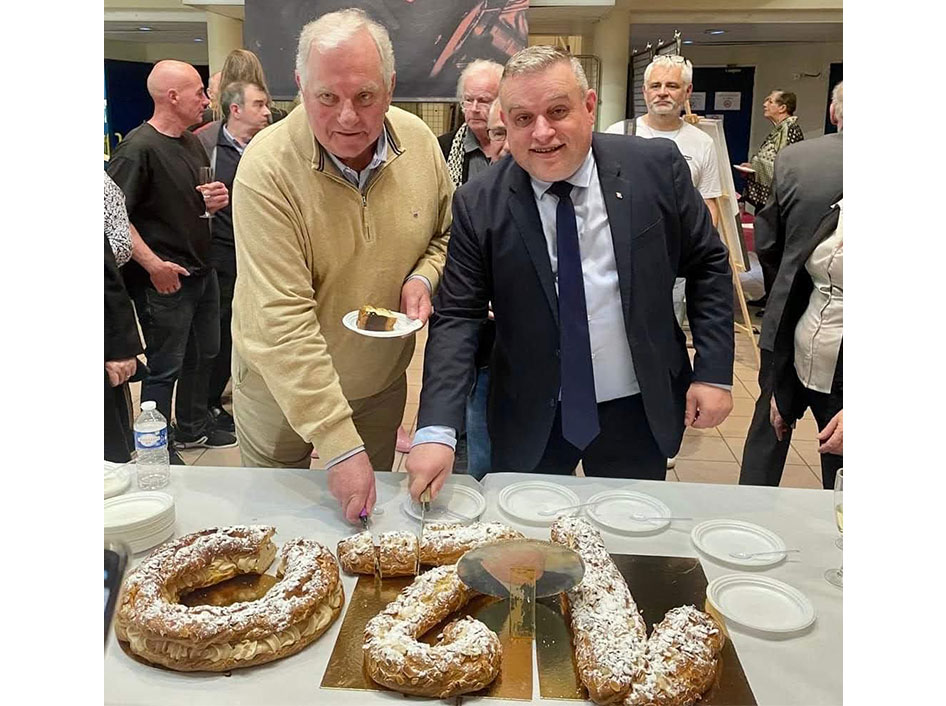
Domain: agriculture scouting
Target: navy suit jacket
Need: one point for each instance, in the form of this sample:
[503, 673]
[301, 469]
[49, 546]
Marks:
[497, 253]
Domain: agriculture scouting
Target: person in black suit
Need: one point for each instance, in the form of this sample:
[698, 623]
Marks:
[576, 240]
[808, 180]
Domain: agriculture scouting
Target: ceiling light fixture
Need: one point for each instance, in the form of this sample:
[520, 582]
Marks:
[144, 29]
[715, 31]
[688, 41]
[198, 39]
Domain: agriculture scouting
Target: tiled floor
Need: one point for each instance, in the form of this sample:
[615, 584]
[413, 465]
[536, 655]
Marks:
[707, 455]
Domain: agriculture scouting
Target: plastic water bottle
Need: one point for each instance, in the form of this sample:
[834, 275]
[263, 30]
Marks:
[151, 441]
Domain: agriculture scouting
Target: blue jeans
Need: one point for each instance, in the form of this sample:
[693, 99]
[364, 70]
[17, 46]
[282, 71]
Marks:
[478, 444]
[182, 337]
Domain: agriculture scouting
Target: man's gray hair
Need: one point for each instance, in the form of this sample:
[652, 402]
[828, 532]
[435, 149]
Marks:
[837, 100]
[540, 57]
[235, 92]
[671, 61]
[475, 67]
[330, 30]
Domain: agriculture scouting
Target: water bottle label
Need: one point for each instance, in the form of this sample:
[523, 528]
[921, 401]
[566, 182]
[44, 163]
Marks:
[151, 439]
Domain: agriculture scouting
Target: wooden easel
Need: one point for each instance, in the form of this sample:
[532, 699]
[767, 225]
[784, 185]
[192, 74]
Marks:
[727, 221]
[730, 234]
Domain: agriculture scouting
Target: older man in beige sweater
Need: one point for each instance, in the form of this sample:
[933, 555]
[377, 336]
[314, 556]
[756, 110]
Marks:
[346, 202]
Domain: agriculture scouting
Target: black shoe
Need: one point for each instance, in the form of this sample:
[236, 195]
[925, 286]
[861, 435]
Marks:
[182, 441]
[175, 458]
[222, 419]
[219, 439]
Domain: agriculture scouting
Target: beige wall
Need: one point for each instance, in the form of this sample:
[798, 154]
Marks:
[775, 66]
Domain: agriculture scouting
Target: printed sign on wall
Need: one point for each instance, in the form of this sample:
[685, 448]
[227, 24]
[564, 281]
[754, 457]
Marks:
[698, 101]
[727, 100]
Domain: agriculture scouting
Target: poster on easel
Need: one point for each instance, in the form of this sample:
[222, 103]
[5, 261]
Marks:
[729, 227]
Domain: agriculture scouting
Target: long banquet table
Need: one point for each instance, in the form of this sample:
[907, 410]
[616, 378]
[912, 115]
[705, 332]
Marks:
[804, 669]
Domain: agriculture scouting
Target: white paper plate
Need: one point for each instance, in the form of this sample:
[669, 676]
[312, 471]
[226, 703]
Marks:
[145, 542]
[523, 501]
[403, 326]
[613, 510]
[117, 478]
[452, 499]
[137, 511]
[717, 538]
[761, 603]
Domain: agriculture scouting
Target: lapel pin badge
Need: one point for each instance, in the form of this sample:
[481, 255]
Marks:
[619, 194]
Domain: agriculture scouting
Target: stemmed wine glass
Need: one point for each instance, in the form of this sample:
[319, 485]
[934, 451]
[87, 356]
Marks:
[205, 176]
[836, 576]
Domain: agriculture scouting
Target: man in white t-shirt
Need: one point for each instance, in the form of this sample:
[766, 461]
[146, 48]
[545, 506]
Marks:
[668, 82]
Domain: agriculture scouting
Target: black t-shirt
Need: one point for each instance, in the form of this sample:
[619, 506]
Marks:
[159, 175]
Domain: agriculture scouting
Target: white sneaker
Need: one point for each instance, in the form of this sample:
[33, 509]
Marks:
[671, 462]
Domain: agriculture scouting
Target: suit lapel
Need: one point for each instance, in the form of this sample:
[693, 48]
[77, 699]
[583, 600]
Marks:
[526, 215]
[619, 218]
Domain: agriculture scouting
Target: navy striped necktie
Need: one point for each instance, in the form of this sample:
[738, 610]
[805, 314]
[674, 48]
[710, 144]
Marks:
[579, 404]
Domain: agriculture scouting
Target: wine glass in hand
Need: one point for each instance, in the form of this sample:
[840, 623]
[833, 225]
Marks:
[205, 176]
[836, 576]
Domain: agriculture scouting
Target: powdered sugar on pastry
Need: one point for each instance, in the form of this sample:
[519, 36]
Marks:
[466, 657]
[296, 610]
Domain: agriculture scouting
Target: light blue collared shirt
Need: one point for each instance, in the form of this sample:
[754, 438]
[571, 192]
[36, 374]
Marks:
[360, 179]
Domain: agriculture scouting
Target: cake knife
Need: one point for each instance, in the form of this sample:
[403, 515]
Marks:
[424, 507]
[374, 543]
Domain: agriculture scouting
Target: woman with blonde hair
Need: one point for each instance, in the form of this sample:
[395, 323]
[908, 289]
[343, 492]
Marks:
[240, 65]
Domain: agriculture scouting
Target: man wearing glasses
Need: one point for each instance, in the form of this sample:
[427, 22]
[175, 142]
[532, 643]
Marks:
[467, 149]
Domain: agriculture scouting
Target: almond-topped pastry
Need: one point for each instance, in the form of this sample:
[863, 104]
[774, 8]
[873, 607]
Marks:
[465, 658]
[306, 599]
[616, 660]
[375, 318]
[444, 543]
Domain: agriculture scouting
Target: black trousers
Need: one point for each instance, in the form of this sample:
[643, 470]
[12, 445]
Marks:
[624, 448]
[119, 441]
[220, 374]
[763, 456]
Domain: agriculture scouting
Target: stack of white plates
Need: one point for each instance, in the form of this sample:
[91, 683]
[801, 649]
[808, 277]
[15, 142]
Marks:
[141, 520]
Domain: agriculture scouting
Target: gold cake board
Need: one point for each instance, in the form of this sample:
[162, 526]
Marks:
[657, 583]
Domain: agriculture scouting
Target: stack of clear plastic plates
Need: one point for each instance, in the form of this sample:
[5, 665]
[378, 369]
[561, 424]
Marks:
[140, 520]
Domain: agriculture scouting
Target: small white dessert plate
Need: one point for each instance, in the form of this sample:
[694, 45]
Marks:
[761, 603]
[403, 326]
[138, 510]
[454, 503]
[117, 478]
[523, 501]
[613, 509]
[718, 539]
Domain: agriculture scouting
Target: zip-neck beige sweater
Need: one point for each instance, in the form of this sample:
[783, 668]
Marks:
[310, 248]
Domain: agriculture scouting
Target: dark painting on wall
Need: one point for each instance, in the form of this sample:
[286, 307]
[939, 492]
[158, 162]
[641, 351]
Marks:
[433, 39]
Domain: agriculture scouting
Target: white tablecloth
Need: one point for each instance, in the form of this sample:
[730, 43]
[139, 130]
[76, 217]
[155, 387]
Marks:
[803, 670]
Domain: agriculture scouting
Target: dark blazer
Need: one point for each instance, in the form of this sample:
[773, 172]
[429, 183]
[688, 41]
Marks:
[661, 229]
[789, 395]
[222, 249]
[121, 327]
[808, 179]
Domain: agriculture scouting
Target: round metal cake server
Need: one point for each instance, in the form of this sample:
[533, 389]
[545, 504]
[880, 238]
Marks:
[492, 568]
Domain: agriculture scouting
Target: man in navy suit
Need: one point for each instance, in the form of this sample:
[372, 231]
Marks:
[576, 240]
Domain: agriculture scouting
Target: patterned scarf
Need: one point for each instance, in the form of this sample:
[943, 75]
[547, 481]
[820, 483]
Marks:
[782, 134]
[455, 158]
